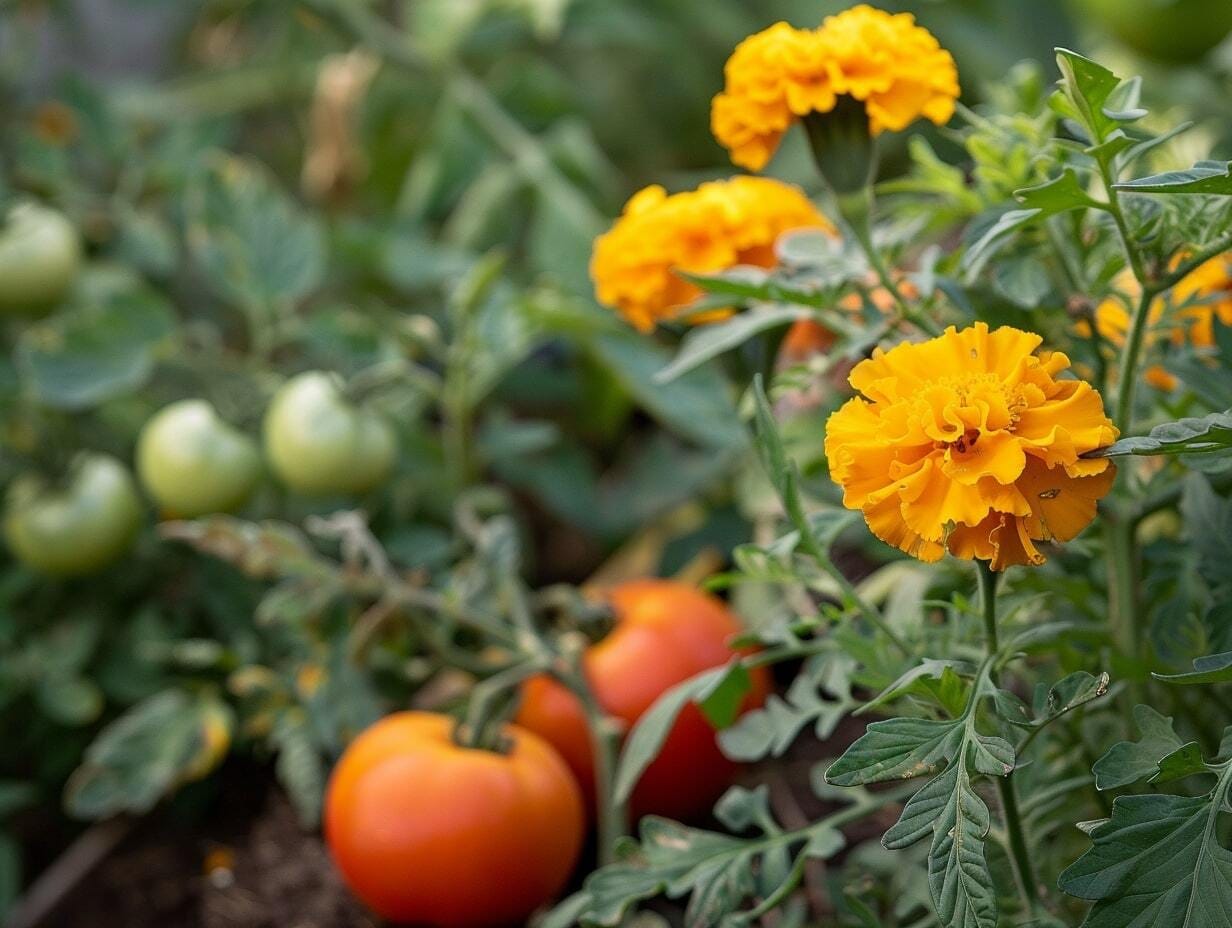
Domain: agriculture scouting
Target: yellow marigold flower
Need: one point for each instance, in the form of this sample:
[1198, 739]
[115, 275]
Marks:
[969, 443]
[703, 231]
[1201, 296]
[895, 68]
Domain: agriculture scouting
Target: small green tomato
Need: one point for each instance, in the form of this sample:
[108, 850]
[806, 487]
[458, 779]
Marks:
[320, 444]
[77, 527]
[193, 463]
[40, 257]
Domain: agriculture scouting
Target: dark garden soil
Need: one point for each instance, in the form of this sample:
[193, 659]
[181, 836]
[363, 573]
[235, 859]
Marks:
[243, 861]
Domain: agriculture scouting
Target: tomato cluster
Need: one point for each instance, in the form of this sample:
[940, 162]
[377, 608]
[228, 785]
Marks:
[431, 833]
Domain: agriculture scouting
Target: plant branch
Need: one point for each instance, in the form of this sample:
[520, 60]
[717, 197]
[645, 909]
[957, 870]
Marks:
[1020, 854]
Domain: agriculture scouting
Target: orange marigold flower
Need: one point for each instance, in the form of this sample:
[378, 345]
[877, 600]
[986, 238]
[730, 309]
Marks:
[1201, 297]
[703, 231]
[969, 443]
[895, 68]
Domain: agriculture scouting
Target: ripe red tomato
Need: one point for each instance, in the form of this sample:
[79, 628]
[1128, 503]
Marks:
[431, 833]
[665, 633]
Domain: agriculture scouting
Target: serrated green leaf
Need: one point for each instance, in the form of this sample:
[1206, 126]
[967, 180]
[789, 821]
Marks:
[958, 878]
[259, 250]
[896, 749]
[1157, 863]
[1128, 762]
[137, 759]
[820, 695]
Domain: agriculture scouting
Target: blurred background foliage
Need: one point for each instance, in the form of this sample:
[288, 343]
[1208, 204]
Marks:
[260, 195]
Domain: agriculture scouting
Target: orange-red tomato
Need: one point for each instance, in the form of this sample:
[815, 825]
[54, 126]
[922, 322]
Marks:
[431, 833]
[665, 633]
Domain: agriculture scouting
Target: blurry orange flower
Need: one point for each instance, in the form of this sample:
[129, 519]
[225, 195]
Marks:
[710, 229]
[894, 67]
[1208, 288]
[969, 443]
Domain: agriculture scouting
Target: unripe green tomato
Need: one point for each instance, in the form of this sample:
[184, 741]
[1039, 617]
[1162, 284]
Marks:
[193, 463]
[40, 257]
[320, 444]
[1175, 31]
[76, 528]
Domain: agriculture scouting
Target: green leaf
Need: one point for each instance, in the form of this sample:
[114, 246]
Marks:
[709, 341]
[299, 766]
[1128, 762]
[1050, 198]
[1184, 762]
[1213, 668]
[1067, 694]
[897, 749]
[137, 759]
[1205, 177]
[105, 348]
[258, 249]
[1058, 195]
[647, 737]
[1087, 86]
[938, 681]
[70, 700]
[1157, 863]
[948, 807]
[697, 405]
[958, 877]
[717, 872]
[1184, 436]
[820, 694]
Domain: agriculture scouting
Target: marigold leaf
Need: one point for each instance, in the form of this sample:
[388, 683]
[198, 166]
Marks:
[1205, 177]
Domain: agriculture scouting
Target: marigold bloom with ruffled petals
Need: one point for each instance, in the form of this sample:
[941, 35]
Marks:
[895, 68]
[1201, 297]
[970, 443]
[717, 226]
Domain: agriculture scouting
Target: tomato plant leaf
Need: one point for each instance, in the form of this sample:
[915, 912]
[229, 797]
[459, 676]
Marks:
[1213, 668]
[97, 350]
[1157, 863]
[137, 759]
[1205, 177]
[896, 749]
[1128, 762]
[820, 694]
[716, 872]
[259, 250]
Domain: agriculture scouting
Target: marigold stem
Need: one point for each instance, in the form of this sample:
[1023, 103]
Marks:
[1020, 853]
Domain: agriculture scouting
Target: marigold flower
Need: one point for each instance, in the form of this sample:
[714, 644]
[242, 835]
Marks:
[1202, 296]
[895, 68]
[969, 443]
[717, 226]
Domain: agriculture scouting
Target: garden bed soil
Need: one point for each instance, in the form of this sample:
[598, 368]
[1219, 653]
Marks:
[249, 863]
